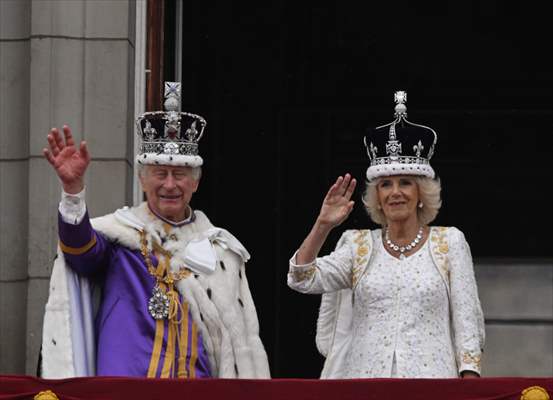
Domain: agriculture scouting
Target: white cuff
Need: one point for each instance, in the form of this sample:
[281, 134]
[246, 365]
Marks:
[293, 262]
[72, 207]
[303, 272]
[470, 362]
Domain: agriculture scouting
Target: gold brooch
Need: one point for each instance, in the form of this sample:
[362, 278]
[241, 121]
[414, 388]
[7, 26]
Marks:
[164, 301]
[534, 393]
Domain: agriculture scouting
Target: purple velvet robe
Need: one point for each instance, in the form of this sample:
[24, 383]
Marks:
[125, 331]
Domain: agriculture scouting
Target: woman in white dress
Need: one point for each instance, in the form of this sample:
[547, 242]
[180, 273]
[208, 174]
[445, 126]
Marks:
[400, 301]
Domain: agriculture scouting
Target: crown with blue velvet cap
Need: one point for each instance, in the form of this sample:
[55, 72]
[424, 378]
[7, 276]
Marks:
[170, 137]
[400, 147]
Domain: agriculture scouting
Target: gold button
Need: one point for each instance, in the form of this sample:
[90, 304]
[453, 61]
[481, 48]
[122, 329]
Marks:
[534, 393]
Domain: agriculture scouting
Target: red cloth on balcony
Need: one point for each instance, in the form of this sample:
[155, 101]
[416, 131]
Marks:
[26, 387]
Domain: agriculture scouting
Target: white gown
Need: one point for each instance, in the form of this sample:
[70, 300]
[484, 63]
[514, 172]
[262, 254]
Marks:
[402, 319]
[404, 323]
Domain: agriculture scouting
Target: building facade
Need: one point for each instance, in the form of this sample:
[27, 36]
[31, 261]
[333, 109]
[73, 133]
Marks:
[83, 63]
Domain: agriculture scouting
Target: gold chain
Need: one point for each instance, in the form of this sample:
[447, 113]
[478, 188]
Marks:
[165, 275]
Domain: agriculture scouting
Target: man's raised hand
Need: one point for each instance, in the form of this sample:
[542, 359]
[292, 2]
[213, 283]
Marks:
[69, 162]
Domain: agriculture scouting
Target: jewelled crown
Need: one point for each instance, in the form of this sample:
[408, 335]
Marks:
[170, 137]
[400, 147]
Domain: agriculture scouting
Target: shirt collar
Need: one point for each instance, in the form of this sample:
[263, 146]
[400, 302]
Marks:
[191, 218]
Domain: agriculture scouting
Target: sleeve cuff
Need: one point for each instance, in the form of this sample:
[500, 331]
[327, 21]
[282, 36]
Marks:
[301, 272]
[293, 262]
[470, 362]
[72, 207]
[76, 239]
[77, 251]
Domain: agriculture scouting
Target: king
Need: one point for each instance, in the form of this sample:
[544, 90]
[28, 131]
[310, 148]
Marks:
[154, 290]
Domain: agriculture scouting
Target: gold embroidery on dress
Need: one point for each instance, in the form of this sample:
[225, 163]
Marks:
[305, 274]
[468, 358]
[361, 254]
[441, 248]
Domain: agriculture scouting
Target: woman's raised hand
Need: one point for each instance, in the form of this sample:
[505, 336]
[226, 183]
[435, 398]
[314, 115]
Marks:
[337, 204]
[69, 162]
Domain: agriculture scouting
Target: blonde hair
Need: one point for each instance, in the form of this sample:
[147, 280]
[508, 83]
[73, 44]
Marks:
[429, 195]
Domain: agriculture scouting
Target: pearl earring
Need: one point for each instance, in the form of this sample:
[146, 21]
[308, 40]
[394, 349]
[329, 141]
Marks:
[420, 204]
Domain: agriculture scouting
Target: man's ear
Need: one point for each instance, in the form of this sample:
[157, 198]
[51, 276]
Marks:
[196, 184]
[141, 179]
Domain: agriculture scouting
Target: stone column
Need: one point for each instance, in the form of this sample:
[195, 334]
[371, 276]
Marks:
[14, 180]
[63, 62]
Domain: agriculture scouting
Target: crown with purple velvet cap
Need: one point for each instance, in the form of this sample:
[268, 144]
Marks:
[170, 137]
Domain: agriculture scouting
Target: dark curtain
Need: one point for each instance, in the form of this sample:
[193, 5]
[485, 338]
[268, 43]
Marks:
[288, 89]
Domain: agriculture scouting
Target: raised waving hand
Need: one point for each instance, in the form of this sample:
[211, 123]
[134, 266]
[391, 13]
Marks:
[69, 162]
[337, 204]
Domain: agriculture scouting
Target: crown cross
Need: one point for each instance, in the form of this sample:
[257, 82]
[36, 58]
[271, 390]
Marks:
[400, 97]
[393, 148]
[172, 96]
[172, 126]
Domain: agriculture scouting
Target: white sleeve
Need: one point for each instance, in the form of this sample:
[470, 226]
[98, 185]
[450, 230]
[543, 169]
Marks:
[467, 316]
[324, 274]
[72, 207]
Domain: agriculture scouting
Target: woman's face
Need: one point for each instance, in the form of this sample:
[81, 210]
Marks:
[398, 196]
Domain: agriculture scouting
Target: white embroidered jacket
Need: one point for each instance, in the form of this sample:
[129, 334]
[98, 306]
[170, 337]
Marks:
[229, 328]
[337, 276]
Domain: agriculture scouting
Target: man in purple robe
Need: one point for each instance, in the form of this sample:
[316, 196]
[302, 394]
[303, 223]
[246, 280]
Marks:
[172, 298]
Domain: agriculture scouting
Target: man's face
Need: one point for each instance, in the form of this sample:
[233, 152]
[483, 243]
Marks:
[169, 190]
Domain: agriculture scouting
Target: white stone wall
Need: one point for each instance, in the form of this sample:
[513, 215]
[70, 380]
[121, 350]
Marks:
[517, 300]
[62, 62]
[14, 180]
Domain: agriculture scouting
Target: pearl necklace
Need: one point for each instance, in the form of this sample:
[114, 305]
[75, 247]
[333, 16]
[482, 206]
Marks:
[403, 249]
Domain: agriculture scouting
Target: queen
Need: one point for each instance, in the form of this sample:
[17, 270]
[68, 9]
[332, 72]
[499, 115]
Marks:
[400, 301]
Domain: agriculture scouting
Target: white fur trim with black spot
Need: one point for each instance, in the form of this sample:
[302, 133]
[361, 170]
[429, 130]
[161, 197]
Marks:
[377, 171]
[176, 160]
[220, 303]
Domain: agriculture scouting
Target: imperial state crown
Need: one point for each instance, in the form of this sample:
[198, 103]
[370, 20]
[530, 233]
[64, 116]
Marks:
[170, 137]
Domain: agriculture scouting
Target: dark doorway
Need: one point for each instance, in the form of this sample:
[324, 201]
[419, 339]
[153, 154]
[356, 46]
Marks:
[288, 89]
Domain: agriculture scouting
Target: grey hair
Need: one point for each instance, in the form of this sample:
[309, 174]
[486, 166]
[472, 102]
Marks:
[429, 195]
[196, 171]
